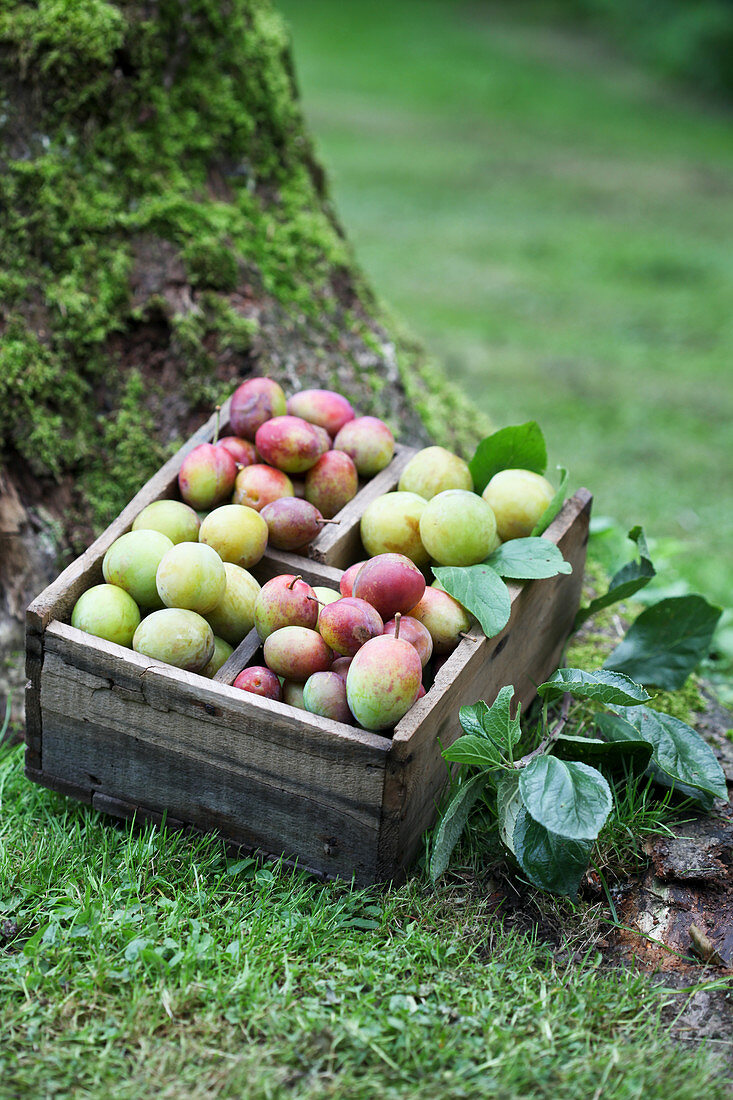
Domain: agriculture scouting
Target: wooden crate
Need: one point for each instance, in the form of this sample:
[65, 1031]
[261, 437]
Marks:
[137, 738]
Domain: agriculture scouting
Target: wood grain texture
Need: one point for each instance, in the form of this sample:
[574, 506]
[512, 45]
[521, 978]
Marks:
[263, 774]
[524, 655]
[340, 545]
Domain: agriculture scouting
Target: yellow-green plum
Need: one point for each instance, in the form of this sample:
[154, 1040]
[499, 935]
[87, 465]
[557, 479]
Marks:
[390, 583]
[176, 637]
[233, 616]
[414, 632]
[207, 475]
[289, 444]
[107, 612]
[325, 408]
[518, 498]
[285, 601]
[295, 653]
[222, 653]
[293, 694]
[369, 442]
[324, 694]
[346, 584]
[191, 576]
[432, 471]
[171, 517]
[324, 596]
[259, 485]
[254, 403]
[348, 623]
[237, 533]
[291, 523]
[391, 524]
[132, 563]
[445, 619]
[458, 528]
[259, 681]
[383, 682]
[331, 483]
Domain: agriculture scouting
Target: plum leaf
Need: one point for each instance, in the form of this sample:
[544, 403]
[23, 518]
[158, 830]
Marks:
[629, 579]
[519, 446]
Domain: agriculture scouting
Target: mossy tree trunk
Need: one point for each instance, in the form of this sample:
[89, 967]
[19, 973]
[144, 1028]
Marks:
[165, 230]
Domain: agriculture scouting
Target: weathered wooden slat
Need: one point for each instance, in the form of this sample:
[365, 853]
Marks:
[239, 659]
[340, 545]
[277, 562]
[524, 654]
[57, 601]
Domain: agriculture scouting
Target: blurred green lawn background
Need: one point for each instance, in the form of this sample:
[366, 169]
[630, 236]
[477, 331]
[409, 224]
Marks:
[557, 225]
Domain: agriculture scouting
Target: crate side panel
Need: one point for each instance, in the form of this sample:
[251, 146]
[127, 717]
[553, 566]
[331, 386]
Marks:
[524, 654]
[264, 787]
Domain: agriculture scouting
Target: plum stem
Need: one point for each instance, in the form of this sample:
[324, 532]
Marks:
[397, 618]
[292, 583]
[336, 521]
[216, 424]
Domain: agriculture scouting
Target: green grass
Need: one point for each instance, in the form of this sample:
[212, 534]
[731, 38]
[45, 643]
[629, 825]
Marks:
[150, 966]
[556, 226]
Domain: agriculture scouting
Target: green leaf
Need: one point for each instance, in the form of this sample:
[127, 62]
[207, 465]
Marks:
[521, 446]
[481, 591]
[527, 559]
[570, 799]
[494, 721]
[629, 579]
[612, 688]
[554, 506]
[473, 749]
[632, 754]
[680, 755]
[453, 823]
[666, 642]
[550, 862]
[508, 804]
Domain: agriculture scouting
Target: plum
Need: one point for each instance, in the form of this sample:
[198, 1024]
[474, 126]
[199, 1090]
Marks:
[517, 498]
[260, 681]
[383, 681]
[348, 623]
[331, 483]
[289, 444]
[324, 694]
[191, 576]
[346, 584]
[341, 666]
[253, 403]
[107, 612]
[433, 470]
[291, 523]
[207, 475]
[324, 439]
[296, 653]
[177, 637]
[237, 533]
[391, 524]
[391, 583]
[369, 442]
[259, 485]
[325, 408]
[242, 451]
[132, 562]
[458, 528]
[325, 596]
[446, 620]
[222, 653]
[293, 694]
[172, 518]
[285, 601]
[414, 632]
[233, 616]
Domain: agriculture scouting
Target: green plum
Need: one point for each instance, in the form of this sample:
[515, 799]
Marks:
[324, 694]
[172, 517]
[432, 471]
[237, 533]
[293, 694]
[324, 596]
[233, 616]
[132, 563]
[176, 637]
[222, 653]
[517, 498]
[191, 576]
[458, 528]
[391, 524]
[445, 619]
[107, 612]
